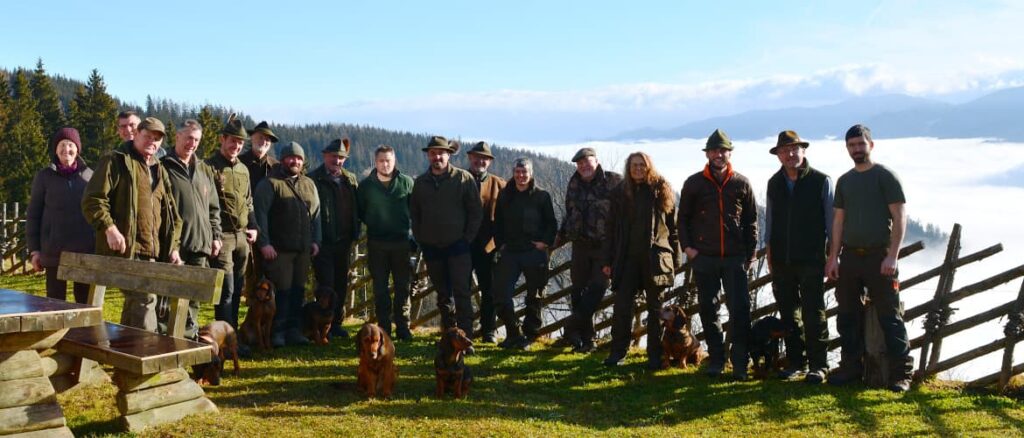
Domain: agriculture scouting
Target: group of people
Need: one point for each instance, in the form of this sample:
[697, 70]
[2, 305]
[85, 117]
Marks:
[256, 217]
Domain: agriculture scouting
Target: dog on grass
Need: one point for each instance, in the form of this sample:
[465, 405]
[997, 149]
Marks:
[319, 315]
[377, 370]
[221, 337]
[766, 337]
[449, 365]
[255, 329]
[678, 344]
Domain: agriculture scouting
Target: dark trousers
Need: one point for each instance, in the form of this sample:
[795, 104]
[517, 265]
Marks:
[588, 287]
[483, 264]
[450, 275]
[636, 276]
[58, 289]
[857, 272]
[532, 264]
[390, 260]
[288, 272]
[713, 274]
[799, 292]
[163, 309]
[331, 268]
[232, 259]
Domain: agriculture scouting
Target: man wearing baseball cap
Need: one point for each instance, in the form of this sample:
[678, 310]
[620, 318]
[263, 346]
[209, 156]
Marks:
[126, 202]
[797, 224]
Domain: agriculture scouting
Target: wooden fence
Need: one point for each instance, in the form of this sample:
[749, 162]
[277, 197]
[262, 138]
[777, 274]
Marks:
[13, 247]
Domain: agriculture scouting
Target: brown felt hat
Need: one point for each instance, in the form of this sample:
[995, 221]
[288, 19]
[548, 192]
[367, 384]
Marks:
[584, 153]
[439, 142]
[153, 124]
[481, 148]
[264, 128]
[339, 146]
[787, 138]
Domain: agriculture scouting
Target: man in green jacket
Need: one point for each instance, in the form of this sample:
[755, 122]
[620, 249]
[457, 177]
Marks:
[196, 198]
[384, 208]
[446, 215]
[288, 214]
[129, 203]
[237, 223]
[339, 222]
[259, 161]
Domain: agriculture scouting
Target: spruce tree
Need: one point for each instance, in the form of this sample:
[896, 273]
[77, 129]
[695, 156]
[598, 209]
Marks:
[47, 102]
[94, 113]
[5, 107]
[25, 148]
[210, 143]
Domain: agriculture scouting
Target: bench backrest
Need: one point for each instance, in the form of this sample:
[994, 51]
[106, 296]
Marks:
[179, 282]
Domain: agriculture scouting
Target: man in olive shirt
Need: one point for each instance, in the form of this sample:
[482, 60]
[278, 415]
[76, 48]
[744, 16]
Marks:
[288, 213]
[867, 231]
[237, 221]
[446, 215]
[128, 201]
[384, 208]
[339, 220]
[196, 197]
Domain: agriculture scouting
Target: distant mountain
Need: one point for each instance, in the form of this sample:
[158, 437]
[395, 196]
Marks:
[996, 115]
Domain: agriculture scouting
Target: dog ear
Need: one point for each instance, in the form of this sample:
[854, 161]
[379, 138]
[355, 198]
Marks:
[679, 321]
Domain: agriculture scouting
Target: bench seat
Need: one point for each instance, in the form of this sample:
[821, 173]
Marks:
[134, 350]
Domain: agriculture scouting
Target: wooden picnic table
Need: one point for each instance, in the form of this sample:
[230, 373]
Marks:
[30, 324]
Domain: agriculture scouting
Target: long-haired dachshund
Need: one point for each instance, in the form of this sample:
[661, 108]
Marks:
[449, 365]
[255, 329]
[319, 315]
[377, 370]
[220, 336]
[765, 344]
[678, 344]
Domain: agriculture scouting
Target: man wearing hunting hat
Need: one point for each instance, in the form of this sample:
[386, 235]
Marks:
[258, 158]
[238, 225]
[129, 203]
[718, 231]
[288, 213]
[482, 248]
[446, 216]
[587, 206]
[797, 224]
[339, 222]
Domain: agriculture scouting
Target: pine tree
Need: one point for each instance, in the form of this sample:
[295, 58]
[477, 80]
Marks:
[5, 106]
[24, 151]
[94, 113]
[47, 103]
[210, 142]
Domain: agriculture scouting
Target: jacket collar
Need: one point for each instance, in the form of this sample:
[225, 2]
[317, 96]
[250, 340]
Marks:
[708, 173]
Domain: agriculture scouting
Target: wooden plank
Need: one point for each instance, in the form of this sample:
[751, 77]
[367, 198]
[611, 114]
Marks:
[1011, 341]
[166, 414]
[994, 377]
[968, 356]
[23, 312]
[941, 290]
[29, 418]
[26, 392]
[133, 349]
[132, 402]
[179, 281]
[30, 340]
[20, 365]
[134, 382]
[176, 322]
[58, 432]
[58, 363]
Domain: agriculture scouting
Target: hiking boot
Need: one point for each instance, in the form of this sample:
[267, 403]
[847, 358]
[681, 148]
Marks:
[337, 331]
[404, 334]
[514, 343]
[585, 347]
[568, 342]
[653, 365]
[815, 377]
[293, 337]
[900, 386]
[614, 360]
[277, 340]
[792, 373]
[487, 338]
[845, 376]
[469, 351]
[714, 369]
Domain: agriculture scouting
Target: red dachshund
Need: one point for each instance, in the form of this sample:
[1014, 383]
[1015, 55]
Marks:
[255, 329]
[221, 337]
[678, 344]
[377, 370]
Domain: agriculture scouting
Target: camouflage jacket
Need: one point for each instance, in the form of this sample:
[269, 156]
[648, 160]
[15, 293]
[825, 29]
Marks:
[587, 205]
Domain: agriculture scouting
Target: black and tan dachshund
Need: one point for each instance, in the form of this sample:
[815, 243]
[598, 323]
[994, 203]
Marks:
[449, 364]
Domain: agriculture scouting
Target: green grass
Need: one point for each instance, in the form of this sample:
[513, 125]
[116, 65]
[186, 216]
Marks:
[310, 391]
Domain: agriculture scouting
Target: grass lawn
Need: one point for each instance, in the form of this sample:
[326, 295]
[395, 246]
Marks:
[310, 391]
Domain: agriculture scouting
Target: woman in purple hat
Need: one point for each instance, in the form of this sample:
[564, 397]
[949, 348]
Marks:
[55, 221]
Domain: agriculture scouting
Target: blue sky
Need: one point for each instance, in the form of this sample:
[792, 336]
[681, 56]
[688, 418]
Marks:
[526, 70]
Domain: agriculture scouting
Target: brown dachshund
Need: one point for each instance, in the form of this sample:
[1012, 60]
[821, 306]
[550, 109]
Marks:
[319, 314]
[220, 336]
[255, 329]
[377, 370]
[452, 372]
[678, 344]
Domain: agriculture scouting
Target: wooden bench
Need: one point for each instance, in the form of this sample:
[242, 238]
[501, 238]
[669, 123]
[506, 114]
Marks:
[150, 369]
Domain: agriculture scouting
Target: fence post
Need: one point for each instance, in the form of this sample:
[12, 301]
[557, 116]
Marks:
[1013, 331]
[940, 312]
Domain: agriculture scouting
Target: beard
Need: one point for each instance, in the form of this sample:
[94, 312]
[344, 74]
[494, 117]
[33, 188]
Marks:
[859, 158]
[717, 164]
[294, 169]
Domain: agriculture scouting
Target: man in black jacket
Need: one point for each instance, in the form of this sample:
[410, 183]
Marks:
[798, 222]
[718, 232]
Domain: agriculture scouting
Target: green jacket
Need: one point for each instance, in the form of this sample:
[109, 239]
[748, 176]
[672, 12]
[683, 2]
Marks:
[445, 208]
[198, 204]
[232, 182]
[110, 199]
[288, 212]
[339, 214]
[385, 210]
